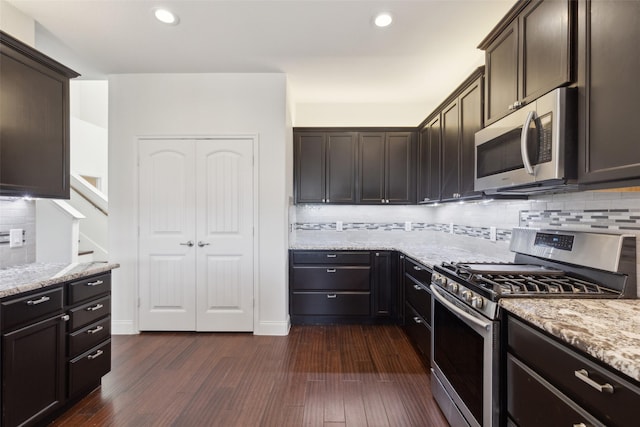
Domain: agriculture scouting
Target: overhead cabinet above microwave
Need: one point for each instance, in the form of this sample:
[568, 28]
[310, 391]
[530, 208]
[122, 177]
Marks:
[34, 122]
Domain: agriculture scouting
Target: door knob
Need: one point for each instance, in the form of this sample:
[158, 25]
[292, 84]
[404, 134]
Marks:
[189, 243]
[201, 243]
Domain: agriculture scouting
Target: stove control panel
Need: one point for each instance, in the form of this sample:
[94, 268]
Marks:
[557, 241]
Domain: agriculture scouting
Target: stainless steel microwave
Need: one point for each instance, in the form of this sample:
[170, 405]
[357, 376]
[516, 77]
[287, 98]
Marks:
[532, 150]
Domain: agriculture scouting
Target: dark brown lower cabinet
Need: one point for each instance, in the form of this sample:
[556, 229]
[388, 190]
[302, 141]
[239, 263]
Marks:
[417, 306]
[551, 383]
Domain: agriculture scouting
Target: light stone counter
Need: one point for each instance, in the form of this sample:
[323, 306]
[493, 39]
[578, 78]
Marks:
[429, 247]
[27, 277]
[608, 330]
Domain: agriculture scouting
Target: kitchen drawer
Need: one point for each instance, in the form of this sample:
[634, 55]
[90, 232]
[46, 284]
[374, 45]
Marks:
[331, 257]
[418, 271]
[89, 312]
[86, 370]
[89, 336]
[353, 278]
[419, 296]
[418, 331]
[22, 310]
[89, 287]
[561, 366]
[527, 394]
[331, 303]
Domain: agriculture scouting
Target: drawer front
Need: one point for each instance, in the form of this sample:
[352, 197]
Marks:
[22, 310]
[355, 278]
[567, 370]
[331, 257]
[419, 296]
[89, 287]
[86, 370]
[331, 304]
[89, 336]
[528, 394]
[418, 331]
[89, 312]
[418, 271]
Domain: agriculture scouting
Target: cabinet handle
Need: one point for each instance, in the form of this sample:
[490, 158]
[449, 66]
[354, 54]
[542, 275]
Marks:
[324, 201]
[95, 330]
[401, 256]
[517, 104]
[417, 319]
[331, 255]
[580, 425]
[583, 375]
[38, 301]
[95, 307]
[95, 355]
[331, 270]
[203, 244]
[416, 268]
[189, 243]
[332, 296]
[96, 283]
[328, 201]
[65, 317]
[417, 287]
[511, 107]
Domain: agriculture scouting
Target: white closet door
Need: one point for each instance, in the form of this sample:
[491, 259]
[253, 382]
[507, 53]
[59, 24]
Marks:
[225, 234]
[167, 224]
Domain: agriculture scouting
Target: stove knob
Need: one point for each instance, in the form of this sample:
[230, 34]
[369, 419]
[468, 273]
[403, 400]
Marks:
[477, 302]
[467, 296]
[453, 287]
[440, 280]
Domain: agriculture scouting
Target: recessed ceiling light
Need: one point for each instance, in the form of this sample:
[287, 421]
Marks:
[166, 16]
[383, 20]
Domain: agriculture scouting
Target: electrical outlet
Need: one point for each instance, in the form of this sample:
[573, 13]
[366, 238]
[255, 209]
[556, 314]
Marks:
[493, 234]
[338, 225]
[15, 237]
[451, 228]
[407, 226]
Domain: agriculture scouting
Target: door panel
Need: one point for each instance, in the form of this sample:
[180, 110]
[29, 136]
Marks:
[371, 182]
[167, 222]
[224, 206]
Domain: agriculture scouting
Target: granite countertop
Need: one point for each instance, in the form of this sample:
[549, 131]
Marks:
[608, 330]
[27, 277]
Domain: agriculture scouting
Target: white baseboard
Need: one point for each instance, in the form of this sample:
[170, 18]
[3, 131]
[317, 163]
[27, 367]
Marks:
[273, 328]
[123, 327]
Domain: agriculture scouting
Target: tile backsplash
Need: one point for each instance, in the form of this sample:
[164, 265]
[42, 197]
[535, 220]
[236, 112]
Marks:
[18, 213]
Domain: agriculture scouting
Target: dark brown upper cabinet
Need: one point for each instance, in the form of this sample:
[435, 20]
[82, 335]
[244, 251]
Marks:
[429, 162]
[387, 172]
[528, 54]
[325, 167]
[609, 60]
[34, 122]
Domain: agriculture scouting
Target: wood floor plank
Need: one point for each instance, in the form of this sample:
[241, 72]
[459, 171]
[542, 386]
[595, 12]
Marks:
[329, 376]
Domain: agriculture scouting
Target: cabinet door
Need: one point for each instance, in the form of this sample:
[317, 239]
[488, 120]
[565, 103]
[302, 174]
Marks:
[400, 168]
[309, 153]
[371, 150]
[435, 160]
[450, 151]
[609, 129]
[502, 74]
[545, 47]
[33, 371]
[470, 122]
[341, 167]
[383, 290]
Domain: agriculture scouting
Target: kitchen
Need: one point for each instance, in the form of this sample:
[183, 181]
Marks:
[135, 97]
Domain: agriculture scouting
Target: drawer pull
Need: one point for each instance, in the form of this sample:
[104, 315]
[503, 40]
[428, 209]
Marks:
[417, 319]
[331, 270]
[416, 268]
[331, 255]
[95, 355]
[95, 307]
[417, 287]
[95, 330]
[38, 301]
[580, 425]
[583, 375]
[332, 296]
[96, 283]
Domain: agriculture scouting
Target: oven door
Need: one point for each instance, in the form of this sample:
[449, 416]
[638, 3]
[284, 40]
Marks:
[465, 357]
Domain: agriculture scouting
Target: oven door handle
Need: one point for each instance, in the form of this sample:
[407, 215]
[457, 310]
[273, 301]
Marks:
[460, 313]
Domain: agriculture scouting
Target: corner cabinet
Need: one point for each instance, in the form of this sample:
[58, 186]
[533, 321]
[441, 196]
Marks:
[543, 372]
[34, 122]
[529, 53]
[609, 60]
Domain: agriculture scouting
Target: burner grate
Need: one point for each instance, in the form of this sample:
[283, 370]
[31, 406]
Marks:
[521, 284]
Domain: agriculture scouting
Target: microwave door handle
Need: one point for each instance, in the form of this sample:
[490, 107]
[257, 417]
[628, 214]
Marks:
[524, 142]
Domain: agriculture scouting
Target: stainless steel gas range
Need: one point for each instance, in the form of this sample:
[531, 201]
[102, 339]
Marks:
[465, 343]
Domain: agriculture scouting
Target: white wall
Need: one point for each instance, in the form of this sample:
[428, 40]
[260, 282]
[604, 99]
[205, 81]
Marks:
[17, 24]
[357, 114]
[189, 105]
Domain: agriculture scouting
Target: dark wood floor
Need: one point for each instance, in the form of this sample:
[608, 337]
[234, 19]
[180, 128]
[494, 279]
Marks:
[315, 376]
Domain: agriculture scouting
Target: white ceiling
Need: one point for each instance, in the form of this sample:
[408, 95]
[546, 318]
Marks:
[329, 49]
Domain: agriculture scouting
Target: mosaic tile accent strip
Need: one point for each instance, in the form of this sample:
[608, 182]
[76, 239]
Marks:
[600, 219]
[464, 230]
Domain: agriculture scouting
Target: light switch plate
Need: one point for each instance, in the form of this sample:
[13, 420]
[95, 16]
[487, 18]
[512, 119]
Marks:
[15, 237]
